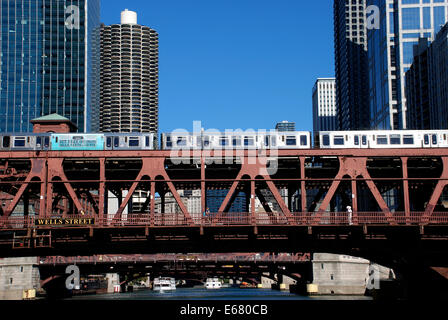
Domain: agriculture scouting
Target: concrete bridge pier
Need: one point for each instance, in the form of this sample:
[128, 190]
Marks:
[277, 281]
[113, 280]
[339, 275]
[19, 278]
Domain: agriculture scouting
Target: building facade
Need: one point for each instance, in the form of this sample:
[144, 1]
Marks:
[216, 197]
[427, 84]
[417, 89]
[129, 77]
[390, 53]
[438, 80]
[324, 105]
[48, 55]
[351, 64]
[286, 126]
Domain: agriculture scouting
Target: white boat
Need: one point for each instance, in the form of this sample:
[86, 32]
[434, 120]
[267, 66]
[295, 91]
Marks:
[213, 283]
[163, 284]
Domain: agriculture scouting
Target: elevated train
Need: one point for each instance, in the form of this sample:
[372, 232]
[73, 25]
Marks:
[241, 140]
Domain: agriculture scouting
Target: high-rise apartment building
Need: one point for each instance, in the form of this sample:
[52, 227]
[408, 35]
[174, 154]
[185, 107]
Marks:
[49, 52]
[324, 105]
[129, 77]
[390, 54]
[351, 64]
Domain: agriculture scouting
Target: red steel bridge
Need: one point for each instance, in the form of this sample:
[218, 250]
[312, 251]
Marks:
[53, 200]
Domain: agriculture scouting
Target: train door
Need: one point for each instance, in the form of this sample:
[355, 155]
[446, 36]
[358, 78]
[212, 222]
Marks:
[270, 142]
[361, 141]
[42, 143]
[430, 140]
[364, 142]
[6, 142]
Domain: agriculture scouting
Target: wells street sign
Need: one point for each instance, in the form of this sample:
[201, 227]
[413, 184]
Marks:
[65, 222]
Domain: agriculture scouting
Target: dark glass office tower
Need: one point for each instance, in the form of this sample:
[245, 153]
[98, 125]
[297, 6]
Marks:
[47, 57]
[351, 64]
[21, 43]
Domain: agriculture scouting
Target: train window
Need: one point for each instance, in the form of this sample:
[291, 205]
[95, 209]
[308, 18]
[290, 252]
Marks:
[147, 141]
[434, 139]
[169, 143]
[426, 139]
[236, 141]
[408, 139]
[116, 142]
[303, 140]
[381, 139]
[223, 141]
[364, 140]
[181, 141]
[444, 137]
[206, 141]
[338, 141]
[109, 142]
[134, 142]
[19, 142]
[291, 141]
[39, 141]
[395, 139]
[273, 141]
[326, 140]
[249, 141]
[266, 141]
[356, 141]
[6, 142]
[47, 142]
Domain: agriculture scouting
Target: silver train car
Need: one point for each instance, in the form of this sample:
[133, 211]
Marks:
[129, 141]
[25, 142]
[382, 139]
[228, 141]
[238, 141]
[78, 141]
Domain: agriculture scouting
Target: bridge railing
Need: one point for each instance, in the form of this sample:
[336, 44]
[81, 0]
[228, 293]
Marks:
[229, 219]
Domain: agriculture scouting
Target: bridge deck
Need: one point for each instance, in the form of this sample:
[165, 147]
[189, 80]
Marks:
[159, 191]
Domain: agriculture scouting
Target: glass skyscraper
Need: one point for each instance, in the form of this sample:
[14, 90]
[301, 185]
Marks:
[350, 44]
[390, 54]
[48, 51]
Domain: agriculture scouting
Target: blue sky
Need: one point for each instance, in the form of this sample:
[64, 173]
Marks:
[236, 64]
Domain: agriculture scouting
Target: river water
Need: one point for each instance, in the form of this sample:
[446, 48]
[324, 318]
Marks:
[221, 294]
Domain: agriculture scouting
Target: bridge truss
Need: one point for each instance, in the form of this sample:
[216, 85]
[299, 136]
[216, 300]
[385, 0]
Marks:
[46, 193]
